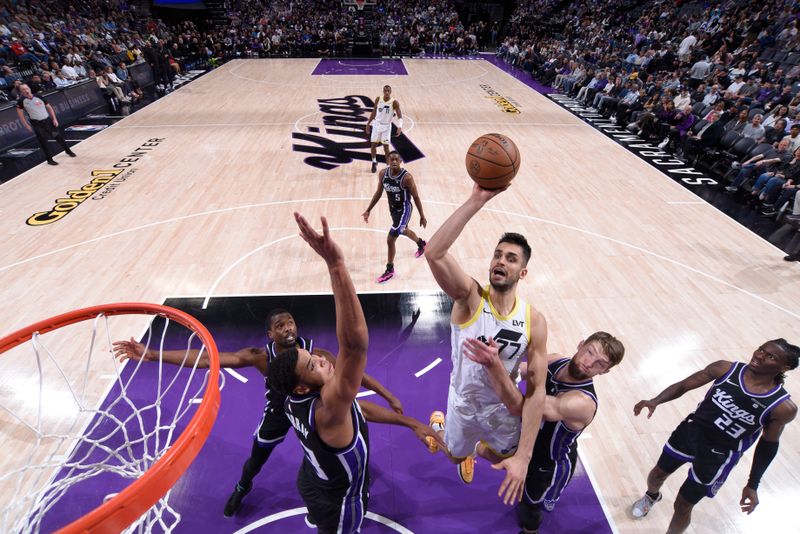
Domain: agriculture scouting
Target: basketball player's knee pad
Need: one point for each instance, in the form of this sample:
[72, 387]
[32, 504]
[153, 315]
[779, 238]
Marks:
[693, 492]
[529, 515]
[668, 463]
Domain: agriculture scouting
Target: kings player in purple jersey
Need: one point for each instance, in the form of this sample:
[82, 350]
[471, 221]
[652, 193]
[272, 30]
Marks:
[400, 191]
[274, 425]
[321, 405]
[746, 403]
[570, 406]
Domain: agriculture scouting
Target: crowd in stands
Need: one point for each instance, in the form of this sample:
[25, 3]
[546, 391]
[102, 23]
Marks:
[50, 44]
[716, 84]
[431, 27]
[327, 27]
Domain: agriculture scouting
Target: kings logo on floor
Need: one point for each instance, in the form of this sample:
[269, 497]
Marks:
[341, 137]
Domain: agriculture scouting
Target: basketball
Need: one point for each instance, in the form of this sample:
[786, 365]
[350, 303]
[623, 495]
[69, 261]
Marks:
[492, 161]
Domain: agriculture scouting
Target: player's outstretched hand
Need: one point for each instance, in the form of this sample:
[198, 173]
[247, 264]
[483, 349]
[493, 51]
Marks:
[512, 486]
[486, 354]
[398, 133]
[423, 432]
[749, 500]
[485, 195]
[322, 244]
[131, 350]
[650, 405]
[365, 216]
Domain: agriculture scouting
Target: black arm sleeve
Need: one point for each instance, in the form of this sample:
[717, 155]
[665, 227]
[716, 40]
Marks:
[765, 453]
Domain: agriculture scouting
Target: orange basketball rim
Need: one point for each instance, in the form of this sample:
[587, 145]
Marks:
[126, 507]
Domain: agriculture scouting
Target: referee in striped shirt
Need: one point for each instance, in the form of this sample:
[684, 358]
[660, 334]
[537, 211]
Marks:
[43, 121]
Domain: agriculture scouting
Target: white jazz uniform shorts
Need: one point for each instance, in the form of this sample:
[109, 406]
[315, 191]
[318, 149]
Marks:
[381, 133]
[467, 424]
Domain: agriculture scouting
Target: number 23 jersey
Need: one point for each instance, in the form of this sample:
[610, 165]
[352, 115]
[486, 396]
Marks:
[737, 413]
[469, 381]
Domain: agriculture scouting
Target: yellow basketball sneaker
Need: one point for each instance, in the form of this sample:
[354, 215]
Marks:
[437, 424]
[466, 470]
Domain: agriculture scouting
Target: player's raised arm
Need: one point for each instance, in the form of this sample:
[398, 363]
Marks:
[446, 270]
[693, 381]
[351, 327]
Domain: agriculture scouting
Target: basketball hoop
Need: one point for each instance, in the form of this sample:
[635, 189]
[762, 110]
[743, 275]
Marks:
[358, 3]
[164, 459]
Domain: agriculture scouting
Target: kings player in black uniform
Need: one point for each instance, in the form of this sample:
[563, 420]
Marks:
[400, 189]
[321, 404]
[274, 425]
[570, 406]
[744, 402]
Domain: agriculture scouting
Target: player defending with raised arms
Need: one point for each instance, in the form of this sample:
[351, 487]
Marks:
[379, 125]
[400, 189]
[273, 427]
[744, 399]
[321, 404]
[495, 315]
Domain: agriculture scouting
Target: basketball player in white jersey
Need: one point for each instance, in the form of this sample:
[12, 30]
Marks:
[379, 126]
[477, 419]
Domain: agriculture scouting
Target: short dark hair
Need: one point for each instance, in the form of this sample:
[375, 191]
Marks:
[612, 347]
[398, 154]
[274, 312]
[520, 241]
[389, 86]
[282, 375]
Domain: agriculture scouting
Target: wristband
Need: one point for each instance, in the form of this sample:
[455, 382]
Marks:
[763, 456]
[399, 123]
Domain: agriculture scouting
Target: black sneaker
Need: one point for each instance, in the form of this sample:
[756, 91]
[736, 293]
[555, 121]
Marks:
[792, 257]
[374, 166]
[71, 154]
[52, 162]
[235, 500]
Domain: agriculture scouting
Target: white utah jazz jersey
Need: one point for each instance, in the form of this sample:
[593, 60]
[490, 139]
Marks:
[469, 381]
[384, 112]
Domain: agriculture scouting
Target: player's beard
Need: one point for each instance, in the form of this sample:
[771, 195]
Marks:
[575, 371]
[507, 285]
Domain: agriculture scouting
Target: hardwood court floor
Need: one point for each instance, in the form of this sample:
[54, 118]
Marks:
[617, 246]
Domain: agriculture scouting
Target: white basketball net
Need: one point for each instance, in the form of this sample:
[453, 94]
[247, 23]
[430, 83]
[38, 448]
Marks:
[121, 436]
